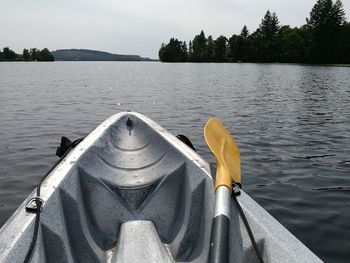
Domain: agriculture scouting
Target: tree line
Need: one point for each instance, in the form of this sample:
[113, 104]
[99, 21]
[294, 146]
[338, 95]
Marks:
[32, 54]
[325, 38]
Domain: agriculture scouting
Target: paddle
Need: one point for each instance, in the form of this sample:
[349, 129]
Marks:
[228, 171]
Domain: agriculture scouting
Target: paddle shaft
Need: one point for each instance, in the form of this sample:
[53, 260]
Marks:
[219, 241]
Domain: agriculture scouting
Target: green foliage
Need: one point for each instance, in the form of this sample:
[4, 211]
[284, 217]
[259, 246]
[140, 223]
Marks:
[326, 15]
[344, 44]
[199, 48]
[210, 53]
[239, 46]
[269, 26]
[8, 54]
[28, 55]
[220, 50]
[175, 51]
[324, 39]
[266, 38]
[45, 55]
[245, 32]
[294, 44]
[326, 19]
[232, 50]
[34, 54]
[190, 50]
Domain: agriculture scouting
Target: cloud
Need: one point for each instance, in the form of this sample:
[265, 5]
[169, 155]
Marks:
[134, 27]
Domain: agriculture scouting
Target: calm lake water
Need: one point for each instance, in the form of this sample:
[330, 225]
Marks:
[292, 124]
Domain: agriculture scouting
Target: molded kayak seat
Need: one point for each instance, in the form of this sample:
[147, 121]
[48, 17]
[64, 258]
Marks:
[138, 241]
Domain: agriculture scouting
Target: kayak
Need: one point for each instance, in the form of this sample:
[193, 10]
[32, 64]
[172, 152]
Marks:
[132, 192]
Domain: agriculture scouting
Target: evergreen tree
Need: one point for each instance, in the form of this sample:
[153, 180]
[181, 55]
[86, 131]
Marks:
[184, 51]
[269, 26]
[34, 54]
[26, 55]
[294, 44]
[324, 39]
[45, 55]
[220, 49]
[266, 38]
[199, 44]
[243, 45]
[325, 21]
[326, 15]
[210, 49]
[8, 54]
[174, 51]
[344, 44]
[190, 51]
[232, 49]
[244, 33]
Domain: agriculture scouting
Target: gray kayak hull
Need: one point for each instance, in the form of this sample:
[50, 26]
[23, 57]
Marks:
[132, 192]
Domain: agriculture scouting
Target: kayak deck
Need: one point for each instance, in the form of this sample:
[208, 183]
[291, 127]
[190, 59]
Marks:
[132, 192]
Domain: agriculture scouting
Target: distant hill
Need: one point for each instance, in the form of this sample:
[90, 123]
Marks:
[93, 55]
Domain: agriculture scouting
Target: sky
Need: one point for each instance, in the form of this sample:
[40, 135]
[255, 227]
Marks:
[135, 27]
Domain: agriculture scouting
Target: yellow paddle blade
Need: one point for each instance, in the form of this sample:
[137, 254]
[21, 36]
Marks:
[226, 152]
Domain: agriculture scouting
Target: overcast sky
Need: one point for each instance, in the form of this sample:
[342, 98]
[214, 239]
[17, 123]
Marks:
[135, 27]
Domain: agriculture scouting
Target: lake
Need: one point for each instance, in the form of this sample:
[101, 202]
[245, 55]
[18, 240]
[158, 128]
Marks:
[291, 122]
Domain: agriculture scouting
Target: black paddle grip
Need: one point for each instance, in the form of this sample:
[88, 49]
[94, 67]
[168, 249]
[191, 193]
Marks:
[218, 250]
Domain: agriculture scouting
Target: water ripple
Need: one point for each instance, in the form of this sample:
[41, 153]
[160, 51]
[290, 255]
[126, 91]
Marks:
[292, 124]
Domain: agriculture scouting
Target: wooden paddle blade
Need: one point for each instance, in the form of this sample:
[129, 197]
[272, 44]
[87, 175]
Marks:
[226, 152]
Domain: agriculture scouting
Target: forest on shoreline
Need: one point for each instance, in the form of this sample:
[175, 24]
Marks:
[325, 38]
[32, 54]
